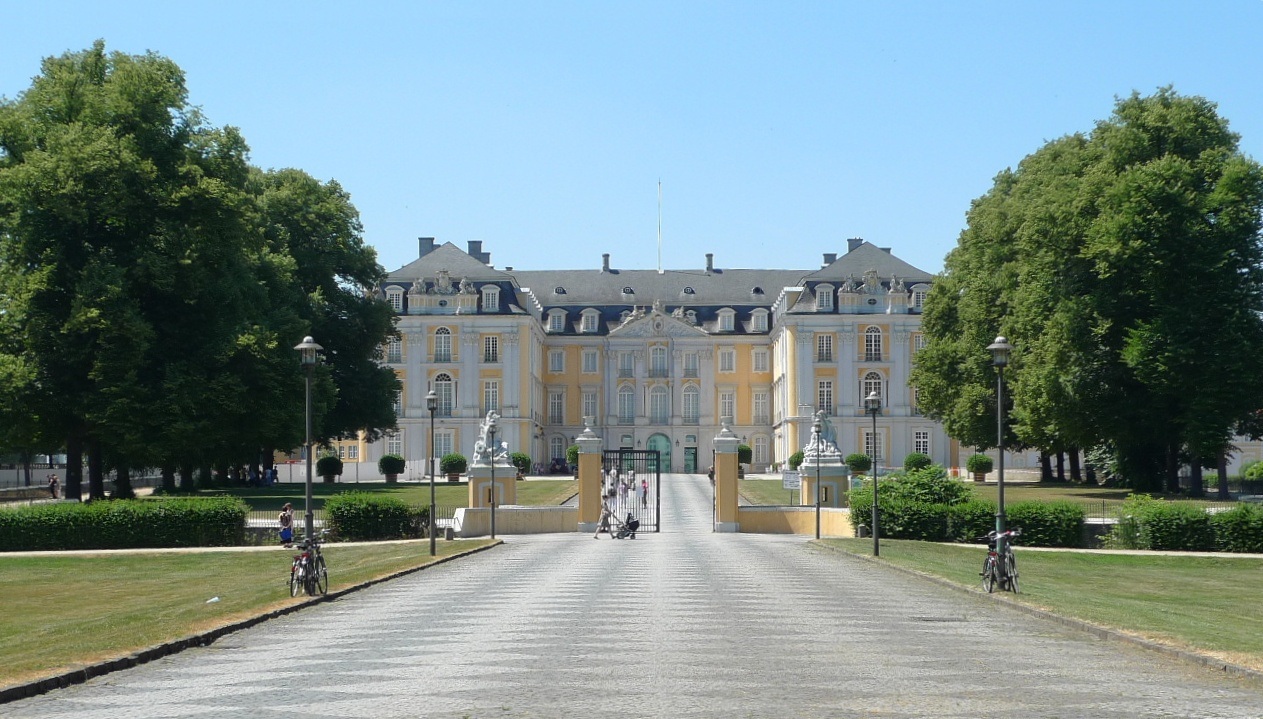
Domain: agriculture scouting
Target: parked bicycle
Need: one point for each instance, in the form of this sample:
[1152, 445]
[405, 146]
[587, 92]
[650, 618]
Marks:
[308, 573]
[1000, 566]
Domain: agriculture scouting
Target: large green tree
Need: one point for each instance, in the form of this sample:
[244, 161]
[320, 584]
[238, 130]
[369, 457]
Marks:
[1125, 267]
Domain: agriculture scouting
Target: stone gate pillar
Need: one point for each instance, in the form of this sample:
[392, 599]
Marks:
[725, 444]
[590, 471]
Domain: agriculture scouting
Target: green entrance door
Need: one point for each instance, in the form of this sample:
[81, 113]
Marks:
[690, 460]
[662, 445]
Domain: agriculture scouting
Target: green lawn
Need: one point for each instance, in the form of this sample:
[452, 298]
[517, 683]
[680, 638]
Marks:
[62, 611]
[534, 493]
[1202, 603]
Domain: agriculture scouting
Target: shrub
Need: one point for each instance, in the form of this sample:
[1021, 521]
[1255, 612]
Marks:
[1047, 524]
[454, 463]
[859, 463]
[967, 521]
[125, 524]
[1149, 523]
[930, 485]
[917, 460]
[744, 454]
[1240, 529]
[391, 464]
[572, 455]
[329, 466]
[796, 459]
[522, 461]
[979, 464]
[1253, 471]
[363, 516]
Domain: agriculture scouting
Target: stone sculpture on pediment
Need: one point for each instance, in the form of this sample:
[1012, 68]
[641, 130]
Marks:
[418, 287]
[896, 285]
[657, 306]
[848, 285]
[443, 283]
[466, 287]
[678, 313]
[872, 283]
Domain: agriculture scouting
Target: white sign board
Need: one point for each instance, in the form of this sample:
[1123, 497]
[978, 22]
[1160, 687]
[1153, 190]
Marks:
[791, 480]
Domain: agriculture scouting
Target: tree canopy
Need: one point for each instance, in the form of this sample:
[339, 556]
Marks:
[153, 283]
[1124, 266]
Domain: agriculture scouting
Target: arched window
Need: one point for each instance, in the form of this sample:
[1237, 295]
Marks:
[872, 344]
[626, 405]
[692, 405]
[394, 295]
[872, 383]
[442, 345]
[659, 405]
[445, 388]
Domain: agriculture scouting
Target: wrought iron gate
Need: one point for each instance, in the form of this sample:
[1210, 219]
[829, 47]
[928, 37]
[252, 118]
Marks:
[631, 483]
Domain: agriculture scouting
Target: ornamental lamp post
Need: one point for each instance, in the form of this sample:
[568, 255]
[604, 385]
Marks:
[307, 350]
[815, 442]
[491, 438]
[432, 404]
[1000, 351]
[872, 405]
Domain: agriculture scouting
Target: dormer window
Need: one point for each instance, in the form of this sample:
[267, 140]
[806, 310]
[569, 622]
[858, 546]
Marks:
[824, 298]
[490, 298]
[757, 292]
[689, 291]
[394, 295]
[589, 323]
[628, 291]
[758, 320]
[727, 320]
[557, 321]
[919, 292]
[559, 290]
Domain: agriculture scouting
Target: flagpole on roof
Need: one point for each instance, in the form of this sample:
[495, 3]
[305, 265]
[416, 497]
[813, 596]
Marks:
[659, 225]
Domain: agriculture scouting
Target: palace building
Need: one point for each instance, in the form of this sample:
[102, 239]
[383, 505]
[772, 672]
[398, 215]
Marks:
[656, 358]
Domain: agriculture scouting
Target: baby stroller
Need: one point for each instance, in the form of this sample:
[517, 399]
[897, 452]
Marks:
[627, 528]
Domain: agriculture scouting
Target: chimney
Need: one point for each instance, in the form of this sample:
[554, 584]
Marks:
[605, 262]
[830, 258]
[854, 243]
[425, 246]
[475, 249]
[710, 262]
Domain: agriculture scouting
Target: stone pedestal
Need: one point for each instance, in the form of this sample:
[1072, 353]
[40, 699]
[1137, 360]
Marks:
[480, 484]
[590, 471]
[725, 444]
[834, 482]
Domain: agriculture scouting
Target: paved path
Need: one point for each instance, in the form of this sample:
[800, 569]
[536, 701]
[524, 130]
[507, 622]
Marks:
[685, 623]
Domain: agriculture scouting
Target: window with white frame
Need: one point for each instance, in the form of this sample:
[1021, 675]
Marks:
[762, 455]
[556, 360]
[590, 361]
[399, 403]
[353, 452]
[918, 342]
[873, 445]
[589, 404]
[394, 296]
[921, 441]
[556, 407]
[728, 404]
[919, 293]
[824, 298]
[692, 405]
[491, 348]
[727, 359]
[557, 447]
[626, 364]
[394, 351]
[824, 396]
[626, 404]
[490, 298]
[761, 363]
[659, 405]
[916, 400]
[588, 324]
[872, 383]
[341, 451]
[444, 443]
[872, 344]
[658, 361]
[625, 442]
[394, 442]
[557, 321]
[727, 320]
[490, 396]
[824, 348]
[442, 345]
[760, 404]
[758, 321]
[691, 364]
[445, 389]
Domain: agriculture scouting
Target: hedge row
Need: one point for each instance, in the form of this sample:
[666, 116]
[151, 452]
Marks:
[362, 516]
[1149, 523]
[125, 524]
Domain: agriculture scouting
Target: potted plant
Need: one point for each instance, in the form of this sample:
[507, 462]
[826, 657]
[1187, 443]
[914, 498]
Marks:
[391, 465]
[858, 463]
[572, 458]
[745, 455]
[453, 465]
[329, 467]
[978, 465]
[522, 461]
[917, 460]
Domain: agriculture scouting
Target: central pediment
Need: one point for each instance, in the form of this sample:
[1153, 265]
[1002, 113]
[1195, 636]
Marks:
[655, 323]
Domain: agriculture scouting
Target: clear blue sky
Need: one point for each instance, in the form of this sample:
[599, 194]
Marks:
[777, 129]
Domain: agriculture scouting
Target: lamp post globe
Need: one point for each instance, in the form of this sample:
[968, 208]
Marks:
[1000, 353]
[872, 405]
[431, 404]
[307, 358]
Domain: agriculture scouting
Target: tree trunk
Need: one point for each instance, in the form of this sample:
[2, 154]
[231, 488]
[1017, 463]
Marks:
[96, 470]
[1061, 466]
[123, 484]
[74, 467]
[1173, 470]
[1045, 467]
[1223, 475]
[168, 478]
[1195, 488]
[1076, 473]
[187, 483]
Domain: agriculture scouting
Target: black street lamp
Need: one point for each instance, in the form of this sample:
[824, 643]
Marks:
[815, 442]
[491, 438]
[872, 405]
[307, 350]
[1000, 350]
[432, 404]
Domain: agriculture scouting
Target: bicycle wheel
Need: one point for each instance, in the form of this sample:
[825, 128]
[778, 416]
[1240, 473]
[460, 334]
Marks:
[321, 576]
[295, 580]
[1010, 569]
[988, 574]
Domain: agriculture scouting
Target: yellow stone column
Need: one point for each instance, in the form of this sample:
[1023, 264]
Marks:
[590, 470]
[725, 444]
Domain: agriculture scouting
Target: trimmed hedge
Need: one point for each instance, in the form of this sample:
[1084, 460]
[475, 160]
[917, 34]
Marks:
[1149, 523]
[970, 520]
[917, 460]
[795, 460]
[1240, 529]
[1047, 524]
[522, 461]
[363, 516]
[125, 524]
[1043, 524]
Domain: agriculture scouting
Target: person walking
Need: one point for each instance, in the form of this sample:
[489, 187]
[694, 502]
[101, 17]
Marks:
[604, 524]
[52, 485]
[644, 493]
[286, 521]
